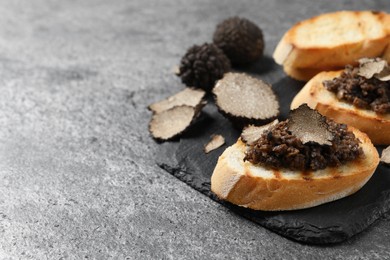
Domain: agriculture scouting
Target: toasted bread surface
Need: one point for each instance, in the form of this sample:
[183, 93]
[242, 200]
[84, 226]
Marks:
[376, 126]
[331, 41]
[386, 54]
[260, 188]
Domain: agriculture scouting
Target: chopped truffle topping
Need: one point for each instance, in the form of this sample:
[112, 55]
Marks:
[245, 100]
[367, 91]
[309, 126]
[240, 39]
[215, 142]
[203, 65]
[279, 148]
[188, 96]
[172, 122]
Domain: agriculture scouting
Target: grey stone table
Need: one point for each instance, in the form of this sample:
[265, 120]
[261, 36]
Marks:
[77, 176]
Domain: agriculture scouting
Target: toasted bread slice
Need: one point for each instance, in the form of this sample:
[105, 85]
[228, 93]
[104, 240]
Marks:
[256, 187]
[376, 126]
[331, 41]
[386, 54]
[301, 74]
[305, 74]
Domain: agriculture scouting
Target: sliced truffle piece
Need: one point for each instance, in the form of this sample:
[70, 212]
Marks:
[203, 65]
[309, 126]
[240, 39]
[375, 67]
[252, 133]
[172, 122]
[189, 96]
[245, 100]
[385, 157]
[215, 142]
[384, 75]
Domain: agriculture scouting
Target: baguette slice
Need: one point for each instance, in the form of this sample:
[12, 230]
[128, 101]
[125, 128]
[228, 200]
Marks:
[376, 126]
[260, 188]
[301, 74]
[307, 73]
[386, 54]
[331, 41]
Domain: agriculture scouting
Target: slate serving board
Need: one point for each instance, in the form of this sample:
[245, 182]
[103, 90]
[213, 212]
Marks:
[329, 223]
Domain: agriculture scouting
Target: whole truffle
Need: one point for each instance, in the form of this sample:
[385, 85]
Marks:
[240, 39]
[203, 65]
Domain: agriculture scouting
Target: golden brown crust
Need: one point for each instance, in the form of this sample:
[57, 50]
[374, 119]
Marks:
[301, 74]
[376, 126]
[305, 74]
[244, 187]
[300, 56]
[386, 54]
[336, 57]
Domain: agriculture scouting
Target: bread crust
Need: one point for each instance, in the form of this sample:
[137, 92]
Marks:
[375, 125]
[301, 74]
[291, 52]
[300, 60]
[386, 54]
[240, 183]
[305, 74]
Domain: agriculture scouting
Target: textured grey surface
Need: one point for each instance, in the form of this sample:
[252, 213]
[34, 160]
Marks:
[77, 176]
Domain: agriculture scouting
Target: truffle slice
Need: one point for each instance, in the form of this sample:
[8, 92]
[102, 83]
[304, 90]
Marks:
[385, 157]
[245, 100]
[252, 133]
[172, 122]
[309, 126]
[240, 39]
[189, 96]
[376, 67]
[215, 142]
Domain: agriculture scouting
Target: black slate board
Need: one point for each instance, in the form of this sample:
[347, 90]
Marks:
[329, 223]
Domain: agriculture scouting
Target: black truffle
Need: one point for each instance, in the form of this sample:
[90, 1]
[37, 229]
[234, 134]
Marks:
[173, 122]
[375, 67]
[251, 133]
[189, 96]
[240, 39]
[245, 100]
[203, 65]
[309, 126]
